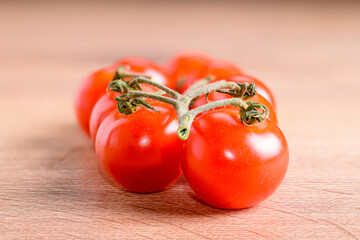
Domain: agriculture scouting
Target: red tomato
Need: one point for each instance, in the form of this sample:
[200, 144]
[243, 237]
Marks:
[141, 151]
[104, 106]
[94, 86]
[214, 96]
[230, 165]
[261, 88]
[186, 68]
[223, 69]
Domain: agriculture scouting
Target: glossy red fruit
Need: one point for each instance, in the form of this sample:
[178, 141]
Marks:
[185, 68]
[230, 165]
[141, 151]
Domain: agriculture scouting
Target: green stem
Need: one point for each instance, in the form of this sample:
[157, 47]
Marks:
[198, 83]
[185, 120]
[139, 94]
[131, 98]
[193, 93]
[169, 91]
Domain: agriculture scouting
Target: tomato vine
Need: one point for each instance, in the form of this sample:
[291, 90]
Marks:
[132, 97]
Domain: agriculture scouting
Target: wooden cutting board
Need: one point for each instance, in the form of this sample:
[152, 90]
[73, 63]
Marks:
[50, 184]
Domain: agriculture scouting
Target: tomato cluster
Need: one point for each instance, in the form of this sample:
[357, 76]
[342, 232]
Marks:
[150, 124]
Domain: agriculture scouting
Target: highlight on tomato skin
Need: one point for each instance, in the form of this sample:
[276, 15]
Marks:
[94, 86]
[141, 151]
[187, 67]
[234, 166]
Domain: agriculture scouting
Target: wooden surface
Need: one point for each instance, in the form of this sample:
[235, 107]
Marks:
[50, 184]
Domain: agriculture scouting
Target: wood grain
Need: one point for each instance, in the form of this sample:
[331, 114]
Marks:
[50, 184]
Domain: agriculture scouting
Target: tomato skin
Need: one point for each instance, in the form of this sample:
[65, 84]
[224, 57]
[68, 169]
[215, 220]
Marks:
[141, 151]
[94, 86]
[214, 96]
[188, 67]
[233, 166]
[103, 107]
[90, 90]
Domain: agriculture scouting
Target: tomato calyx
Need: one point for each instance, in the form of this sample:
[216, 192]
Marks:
[252, 115]
[246, 91]
[119, 86]
[128, 103]
[129, 106]
[132, 97]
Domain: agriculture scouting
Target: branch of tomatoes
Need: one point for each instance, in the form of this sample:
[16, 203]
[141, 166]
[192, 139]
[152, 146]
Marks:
[227, 164]
[132, 96]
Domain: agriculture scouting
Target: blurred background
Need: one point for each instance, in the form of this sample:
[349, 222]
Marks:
[296, 47]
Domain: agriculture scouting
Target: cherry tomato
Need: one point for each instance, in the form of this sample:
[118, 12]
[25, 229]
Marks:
[214, 96]
[105, 105]
[94, 86]
[187, 67]
[141, 151]
[230, 165]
